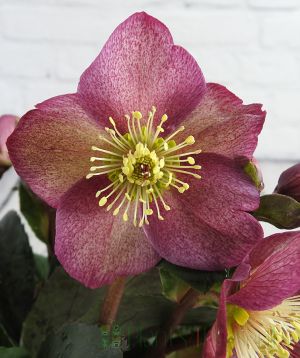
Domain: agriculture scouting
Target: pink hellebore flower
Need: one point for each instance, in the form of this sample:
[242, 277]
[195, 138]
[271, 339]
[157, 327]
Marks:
[8, 123]
[289, 182]
[259, 313]
[145, 165]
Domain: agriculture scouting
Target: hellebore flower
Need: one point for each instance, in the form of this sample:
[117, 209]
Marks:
[141, 115]
[289, 182]
[8, 123]
[259, 313]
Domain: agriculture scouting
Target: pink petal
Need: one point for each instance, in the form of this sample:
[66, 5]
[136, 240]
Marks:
[139, 67]
[8, 123]
[207, 227]
[94, 246]
[209, 346]
[51, 147]
[216, 341]
[222, 124]
[275, 273]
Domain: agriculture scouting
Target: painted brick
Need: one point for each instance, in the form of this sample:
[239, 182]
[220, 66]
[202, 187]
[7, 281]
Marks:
[281, 30]
[274, 4]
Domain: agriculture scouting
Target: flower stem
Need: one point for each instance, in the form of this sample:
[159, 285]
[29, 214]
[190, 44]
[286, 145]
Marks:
[176, 317]
[112, 302]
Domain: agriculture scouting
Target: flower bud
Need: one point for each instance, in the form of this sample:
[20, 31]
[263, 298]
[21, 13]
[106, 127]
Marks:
[7, 125]
[289, 182]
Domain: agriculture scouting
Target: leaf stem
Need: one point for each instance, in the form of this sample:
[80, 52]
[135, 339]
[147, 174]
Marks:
[186, 303]
[112, 302]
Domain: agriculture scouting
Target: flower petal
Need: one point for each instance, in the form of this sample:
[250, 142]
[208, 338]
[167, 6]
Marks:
[94, 246]
[216, 340]
[222, 124]
[139, 67]
[275, 275]
[207, 227]
[51, 146]
[8, 123]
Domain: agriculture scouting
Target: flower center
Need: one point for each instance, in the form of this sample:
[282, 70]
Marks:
[141, 165]
[269, 333]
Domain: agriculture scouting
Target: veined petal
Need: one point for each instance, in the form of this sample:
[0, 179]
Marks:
[222, 124]
[275, 273]
[51, 146]
[94, 246]
[208, 226]
[140, 67]
[215, 345]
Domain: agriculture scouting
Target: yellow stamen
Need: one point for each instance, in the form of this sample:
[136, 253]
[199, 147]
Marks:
[269, 333]
[142, 165]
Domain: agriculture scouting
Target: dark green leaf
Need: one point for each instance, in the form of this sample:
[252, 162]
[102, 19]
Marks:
[35, 213]
[144, 308]
[173, 287]
[5, 340]
[78, 341]
[279, 210]
[199, 280]
[15, 352]
[42, 267]
[61, 301]
[16, 274]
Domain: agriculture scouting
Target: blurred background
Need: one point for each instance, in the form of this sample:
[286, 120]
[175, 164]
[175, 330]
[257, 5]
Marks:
[250, 46]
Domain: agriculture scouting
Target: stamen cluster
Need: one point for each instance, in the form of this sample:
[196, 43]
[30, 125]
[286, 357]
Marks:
[141, 165]
[269, 333]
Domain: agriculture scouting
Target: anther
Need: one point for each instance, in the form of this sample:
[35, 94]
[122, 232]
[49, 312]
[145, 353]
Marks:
[103, 201]
[190, 140]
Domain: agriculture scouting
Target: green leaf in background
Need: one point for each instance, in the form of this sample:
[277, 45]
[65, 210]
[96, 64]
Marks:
[79, 341]
[14, 352]
[173, 288]
[17, 271]
[279, 210]
[42, 267]
[35, 213]
[61, 301]
[191, 352]
[5, 340]
[143, 309]
[199, 280]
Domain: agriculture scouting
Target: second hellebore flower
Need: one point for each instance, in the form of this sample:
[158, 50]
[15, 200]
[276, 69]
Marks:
[133, 140]
[259, 313]
[8, 123]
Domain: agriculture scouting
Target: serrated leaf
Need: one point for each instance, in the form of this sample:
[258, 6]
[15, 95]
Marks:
[61, 301]
[16, 275]
[199, 280]
[142, 310]
[14, 352]
[35, 213]
[279, 210]
[78, 341]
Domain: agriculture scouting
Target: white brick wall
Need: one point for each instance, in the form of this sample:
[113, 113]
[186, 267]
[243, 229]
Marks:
[251, 46]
